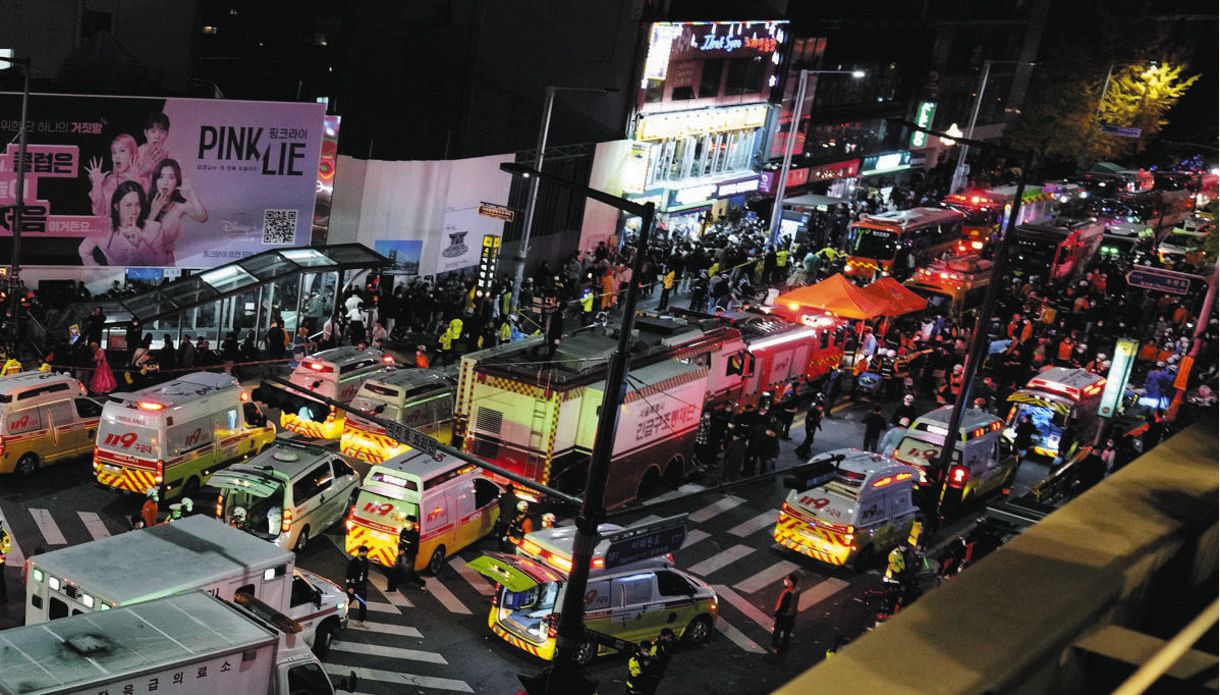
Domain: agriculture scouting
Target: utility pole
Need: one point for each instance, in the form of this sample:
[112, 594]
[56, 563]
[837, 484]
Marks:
[19, 207]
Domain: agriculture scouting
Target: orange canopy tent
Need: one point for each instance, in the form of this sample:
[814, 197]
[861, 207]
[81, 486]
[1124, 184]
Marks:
[836, 295]
[897, 298]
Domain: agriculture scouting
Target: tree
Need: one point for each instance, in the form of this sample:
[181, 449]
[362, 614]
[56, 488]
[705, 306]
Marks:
[1138, 96]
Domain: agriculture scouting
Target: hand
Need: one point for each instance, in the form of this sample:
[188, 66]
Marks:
[94, 171]
[159, 202]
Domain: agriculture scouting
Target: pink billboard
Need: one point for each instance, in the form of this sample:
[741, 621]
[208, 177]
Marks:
[187, 183]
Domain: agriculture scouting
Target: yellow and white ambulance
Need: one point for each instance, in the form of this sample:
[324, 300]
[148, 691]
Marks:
[452, 500]
[632, 602]
[418, 398]
[44, 418]
[982, 462]
[337, 374]
[173, 436]
[857, 515]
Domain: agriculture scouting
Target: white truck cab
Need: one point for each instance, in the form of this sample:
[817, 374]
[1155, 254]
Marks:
[856, 515]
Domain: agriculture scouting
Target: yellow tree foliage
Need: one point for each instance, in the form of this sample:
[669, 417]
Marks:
[1138, 96]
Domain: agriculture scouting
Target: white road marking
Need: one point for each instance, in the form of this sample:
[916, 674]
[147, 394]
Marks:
[93, 522]
[15, 556]
[720, 559]
[378, 581]
[648, 520]
[391, 652]
[738, 637]
[384, 628]
[820, 592]
[399, 679]
[445, 596]
[754, 525]
[473, 578]
[693, 536]
[382, 607]
[748, 609]
[765, 578]
[47, 527]
[718, 507]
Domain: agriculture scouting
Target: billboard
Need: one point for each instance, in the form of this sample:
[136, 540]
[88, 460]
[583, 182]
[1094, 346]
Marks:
[131, 181]
[725, 62]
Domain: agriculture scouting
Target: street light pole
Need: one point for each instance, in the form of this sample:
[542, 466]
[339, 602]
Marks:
[527, 224]
[19, 206]
[777, 210]
[564, 677]
[959, 171]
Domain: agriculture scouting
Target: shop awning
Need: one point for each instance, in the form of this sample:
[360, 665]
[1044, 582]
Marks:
[837, 296]
[898, 299]
[812, 200]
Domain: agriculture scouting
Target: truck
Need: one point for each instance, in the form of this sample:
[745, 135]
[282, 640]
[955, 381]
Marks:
[952, 285]
[189, 644]
[419, 398]
[1056, 250]
[1062, 403]
[194, 553]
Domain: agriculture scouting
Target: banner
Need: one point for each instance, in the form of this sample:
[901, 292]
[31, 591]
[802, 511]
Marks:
[131, 181]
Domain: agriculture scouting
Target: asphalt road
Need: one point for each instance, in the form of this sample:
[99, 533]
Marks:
[438, 640]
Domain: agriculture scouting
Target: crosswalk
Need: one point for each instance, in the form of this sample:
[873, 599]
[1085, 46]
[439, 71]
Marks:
[728, 544]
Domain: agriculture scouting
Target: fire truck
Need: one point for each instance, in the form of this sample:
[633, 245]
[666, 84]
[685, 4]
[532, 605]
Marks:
[953, 285]
[987, 210]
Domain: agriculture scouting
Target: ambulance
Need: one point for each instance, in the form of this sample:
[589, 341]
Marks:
[860, 514]
[44, 418]
[952, 285]
[632, 602]
[337, 374]
[173, 436]
[418, 398]
[454, 503]
[982, 462]
[1062, 403]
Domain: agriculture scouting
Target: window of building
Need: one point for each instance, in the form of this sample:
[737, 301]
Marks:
[709, 81]
[745, 76]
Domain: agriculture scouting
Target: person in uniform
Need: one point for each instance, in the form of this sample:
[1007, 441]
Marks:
[408, 552]
[148, 512]
[785, 613]
[357, 580]
[648, 663]
[6, 545]
[520, 525]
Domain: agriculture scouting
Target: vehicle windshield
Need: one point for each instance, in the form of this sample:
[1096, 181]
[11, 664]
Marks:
[875, 243]
[918, 453]
[1034, 251]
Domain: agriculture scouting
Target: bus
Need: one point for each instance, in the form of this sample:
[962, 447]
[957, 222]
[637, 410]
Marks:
[918, 234]
[1055, 250]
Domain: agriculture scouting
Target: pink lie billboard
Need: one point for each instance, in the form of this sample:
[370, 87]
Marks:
[187, 183]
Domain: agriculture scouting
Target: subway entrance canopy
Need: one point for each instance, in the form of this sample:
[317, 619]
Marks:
[298, 286]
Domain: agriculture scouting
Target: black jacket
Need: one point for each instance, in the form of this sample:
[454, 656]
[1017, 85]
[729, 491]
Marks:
[358, 571]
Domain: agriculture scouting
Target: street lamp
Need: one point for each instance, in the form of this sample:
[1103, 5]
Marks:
[19, 205]
[777, 211]
[978, 339]
[528, 223]
[564, 677]
[959, 171]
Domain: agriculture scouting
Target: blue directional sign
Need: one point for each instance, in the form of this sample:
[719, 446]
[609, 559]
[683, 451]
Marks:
[1160, 280]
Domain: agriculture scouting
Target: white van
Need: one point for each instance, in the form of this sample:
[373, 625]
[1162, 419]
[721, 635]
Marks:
[289, 493]
[337, 374]
[44, 418]
[454, 502]
[982, 461]
[418, 398]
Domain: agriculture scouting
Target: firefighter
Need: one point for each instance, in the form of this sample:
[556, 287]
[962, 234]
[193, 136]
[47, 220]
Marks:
[548, 520]
[519, 526]
[785, 613]
[421, 357]
[148, 512]
[175, 513]
[955, 380]
[6, 544]
[904, 414]
[11, 366]
[667, 286]
[408, 552]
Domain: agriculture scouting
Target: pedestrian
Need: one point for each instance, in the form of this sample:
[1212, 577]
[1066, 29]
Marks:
[186, 353]
[768, 450]
[904, 414]
[813, 423]
[102, 381]
[421, 357]
[6, 544]
[357, 580]
[874, 425]
[734, 457]
[785, 613]
[1155, 431]
[667, 286]
[408, 553]
[1024, 436]
[1109, 455]
[508, 507]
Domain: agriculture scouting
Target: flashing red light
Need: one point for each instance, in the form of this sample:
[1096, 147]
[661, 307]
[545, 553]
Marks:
[387, 359]
[319, 367]
[958, 475]
[147, 405]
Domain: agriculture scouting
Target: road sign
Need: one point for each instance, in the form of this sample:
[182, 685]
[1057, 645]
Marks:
[411, 437]
[488, 258]
[1120, 131]
[499, 212]
[646, 541]
[1160, 280]
[1116, 378]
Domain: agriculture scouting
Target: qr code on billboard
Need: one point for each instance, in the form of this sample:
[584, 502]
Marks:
[279, 226]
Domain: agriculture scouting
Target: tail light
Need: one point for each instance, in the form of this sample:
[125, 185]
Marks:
[220, 500]
[495, 595]
[958, 475]
[160, 477]
[552, 625]
[348, 523]
[286, 522]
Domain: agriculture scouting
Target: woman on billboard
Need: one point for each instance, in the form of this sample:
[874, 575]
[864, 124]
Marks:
[172, 199]
[125, 158]
[133, 239]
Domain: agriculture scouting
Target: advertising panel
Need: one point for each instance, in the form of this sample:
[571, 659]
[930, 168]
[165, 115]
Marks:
[132, 181]
[687, 60]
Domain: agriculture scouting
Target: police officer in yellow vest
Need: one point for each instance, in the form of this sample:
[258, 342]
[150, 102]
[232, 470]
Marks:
[647, 665]
[667, 286]
[781, 265]
[11, 367]
[586, 307]
[896, 567]
[6, 544]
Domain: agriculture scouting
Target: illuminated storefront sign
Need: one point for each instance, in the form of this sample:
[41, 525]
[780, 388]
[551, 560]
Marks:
[886, 163]
[799, 177]
[676, 50]
[923, 118]
[726, 190]
[664, 126]
[702, 193]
